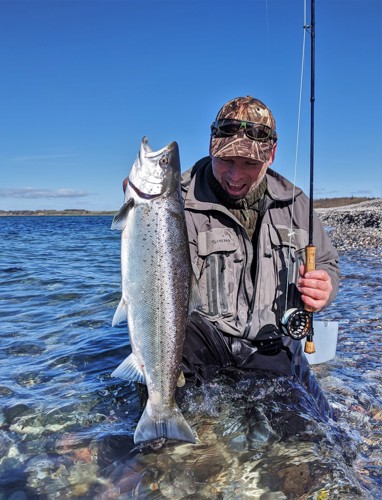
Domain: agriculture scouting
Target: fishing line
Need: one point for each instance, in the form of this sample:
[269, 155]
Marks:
[291, 232]
[298, 322]
[269, 56]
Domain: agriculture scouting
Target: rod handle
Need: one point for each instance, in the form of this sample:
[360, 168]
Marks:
[309, 345]
[310, 256]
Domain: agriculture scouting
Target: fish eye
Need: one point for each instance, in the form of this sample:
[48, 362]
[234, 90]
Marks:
[163, 161]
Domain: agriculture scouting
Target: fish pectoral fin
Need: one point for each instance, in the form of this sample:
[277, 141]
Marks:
[120, 314]
[119, 220]
[129, 369]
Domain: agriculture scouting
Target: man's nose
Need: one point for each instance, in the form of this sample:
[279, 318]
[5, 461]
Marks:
[235, 172]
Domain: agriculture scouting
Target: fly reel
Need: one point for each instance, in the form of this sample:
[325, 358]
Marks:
[297, 323]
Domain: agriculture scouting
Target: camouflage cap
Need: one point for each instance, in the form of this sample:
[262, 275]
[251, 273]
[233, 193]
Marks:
[251, 110]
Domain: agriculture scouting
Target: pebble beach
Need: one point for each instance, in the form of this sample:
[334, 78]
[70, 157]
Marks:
[355, 227]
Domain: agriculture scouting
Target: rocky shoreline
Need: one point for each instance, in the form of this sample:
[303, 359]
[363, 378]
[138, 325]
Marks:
[355, 227]
[351, 227]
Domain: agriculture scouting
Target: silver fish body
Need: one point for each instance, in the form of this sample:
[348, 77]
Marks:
[156, 282]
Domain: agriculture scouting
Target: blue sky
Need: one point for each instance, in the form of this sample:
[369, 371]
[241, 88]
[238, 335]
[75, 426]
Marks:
[82, 81]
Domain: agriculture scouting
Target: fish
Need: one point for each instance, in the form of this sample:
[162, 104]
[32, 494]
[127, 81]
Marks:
[156, 288]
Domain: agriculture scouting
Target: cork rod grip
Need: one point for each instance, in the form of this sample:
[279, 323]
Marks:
[310, 265]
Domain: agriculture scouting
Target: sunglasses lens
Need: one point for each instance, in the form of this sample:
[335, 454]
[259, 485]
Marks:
[258, 132]
[255, 131]
[226, 128]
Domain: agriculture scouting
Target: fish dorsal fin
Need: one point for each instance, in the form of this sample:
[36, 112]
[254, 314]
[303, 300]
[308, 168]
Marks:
[119, 221]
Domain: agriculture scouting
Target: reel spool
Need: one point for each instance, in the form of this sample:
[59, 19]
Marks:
[297, 323]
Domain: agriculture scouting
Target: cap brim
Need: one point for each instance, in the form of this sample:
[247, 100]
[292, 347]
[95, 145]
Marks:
[241, 146]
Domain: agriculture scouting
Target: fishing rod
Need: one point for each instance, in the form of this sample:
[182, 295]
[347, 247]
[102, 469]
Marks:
[298, 323]
[311, 249]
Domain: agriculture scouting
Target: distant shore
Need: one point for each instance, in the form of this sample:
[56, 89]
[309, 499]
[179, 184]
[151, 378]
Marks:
[353, 224]
[319, 203]
[68, 212]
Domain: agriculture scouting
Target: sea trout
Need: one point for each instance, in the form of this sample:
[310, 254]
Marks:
[156, 287]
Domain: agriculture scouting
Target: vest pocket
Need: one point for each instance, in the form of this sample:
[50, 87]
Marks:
[285, 251]
[218, 262]
[218, 293]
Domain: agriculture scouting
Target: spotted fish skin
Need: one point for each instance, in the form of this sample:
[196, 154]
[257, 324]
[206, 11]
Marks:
[156, 282]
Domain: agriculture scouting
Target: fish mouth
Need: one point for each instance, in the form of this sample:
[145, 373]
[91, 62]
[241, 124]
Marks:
[142, 194]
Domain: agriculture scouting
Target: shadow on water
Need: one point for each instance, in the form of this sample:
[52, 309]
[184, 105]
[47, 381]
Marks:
[66, 427]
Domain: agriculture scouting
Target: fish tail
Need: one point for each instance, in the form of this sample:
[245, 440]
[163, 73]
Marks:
[171, 426]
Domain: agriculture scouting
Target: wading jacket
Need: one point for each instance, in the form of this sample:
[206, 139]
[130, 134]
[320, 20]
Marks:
[243, 284]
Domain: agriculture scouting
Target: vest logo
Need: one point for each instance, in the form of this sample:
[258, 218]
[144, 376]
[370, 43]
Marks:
[219, 239]
[222, 240]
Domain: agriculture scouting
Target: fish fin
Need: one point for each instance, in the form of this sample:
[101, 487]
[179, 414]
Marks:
[129, 369]
[195, 298]
[119, 220]
[120, 314]
[181, 380]
[172, 426]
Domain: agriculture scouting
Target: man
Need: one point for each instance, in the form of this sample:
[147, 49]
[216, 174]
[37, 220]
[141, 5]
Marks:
[248, 228]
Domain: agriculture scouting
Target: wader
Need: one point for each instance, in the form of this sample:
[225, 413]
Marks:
[207, 351]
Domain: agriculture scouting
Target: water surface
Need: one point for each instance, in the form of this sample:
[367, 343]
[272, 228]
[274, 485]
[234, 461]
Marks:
[66, 427]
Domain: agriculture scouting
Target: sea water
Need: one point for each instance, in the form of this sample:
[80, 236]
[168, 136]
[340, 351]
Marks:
[66, 426]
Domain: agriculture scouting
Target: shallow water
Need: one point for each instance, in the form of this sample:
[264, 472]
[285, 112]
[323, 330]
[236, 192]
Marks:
[66, 427]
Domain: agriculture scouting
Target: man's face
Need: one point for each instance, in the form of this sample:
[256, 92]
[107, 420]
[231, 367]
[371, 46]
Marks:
[238, 175]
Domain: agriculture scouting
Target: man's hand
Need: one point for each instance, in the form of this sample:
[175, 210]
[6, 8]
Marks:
[315, 288]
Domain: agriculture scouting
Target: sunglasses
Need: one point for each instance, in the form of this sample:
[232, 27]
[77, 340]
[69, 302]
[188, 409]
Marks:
[254, 131]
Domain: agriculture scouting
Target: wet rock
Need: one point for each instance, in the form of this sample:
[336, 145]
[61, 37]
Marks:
[12, 474]
[294, 479]
[32, 447]
[259, 429]
[207, 433]
[5, 391]
[11, 412]
[26, 348]
[377, 415]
